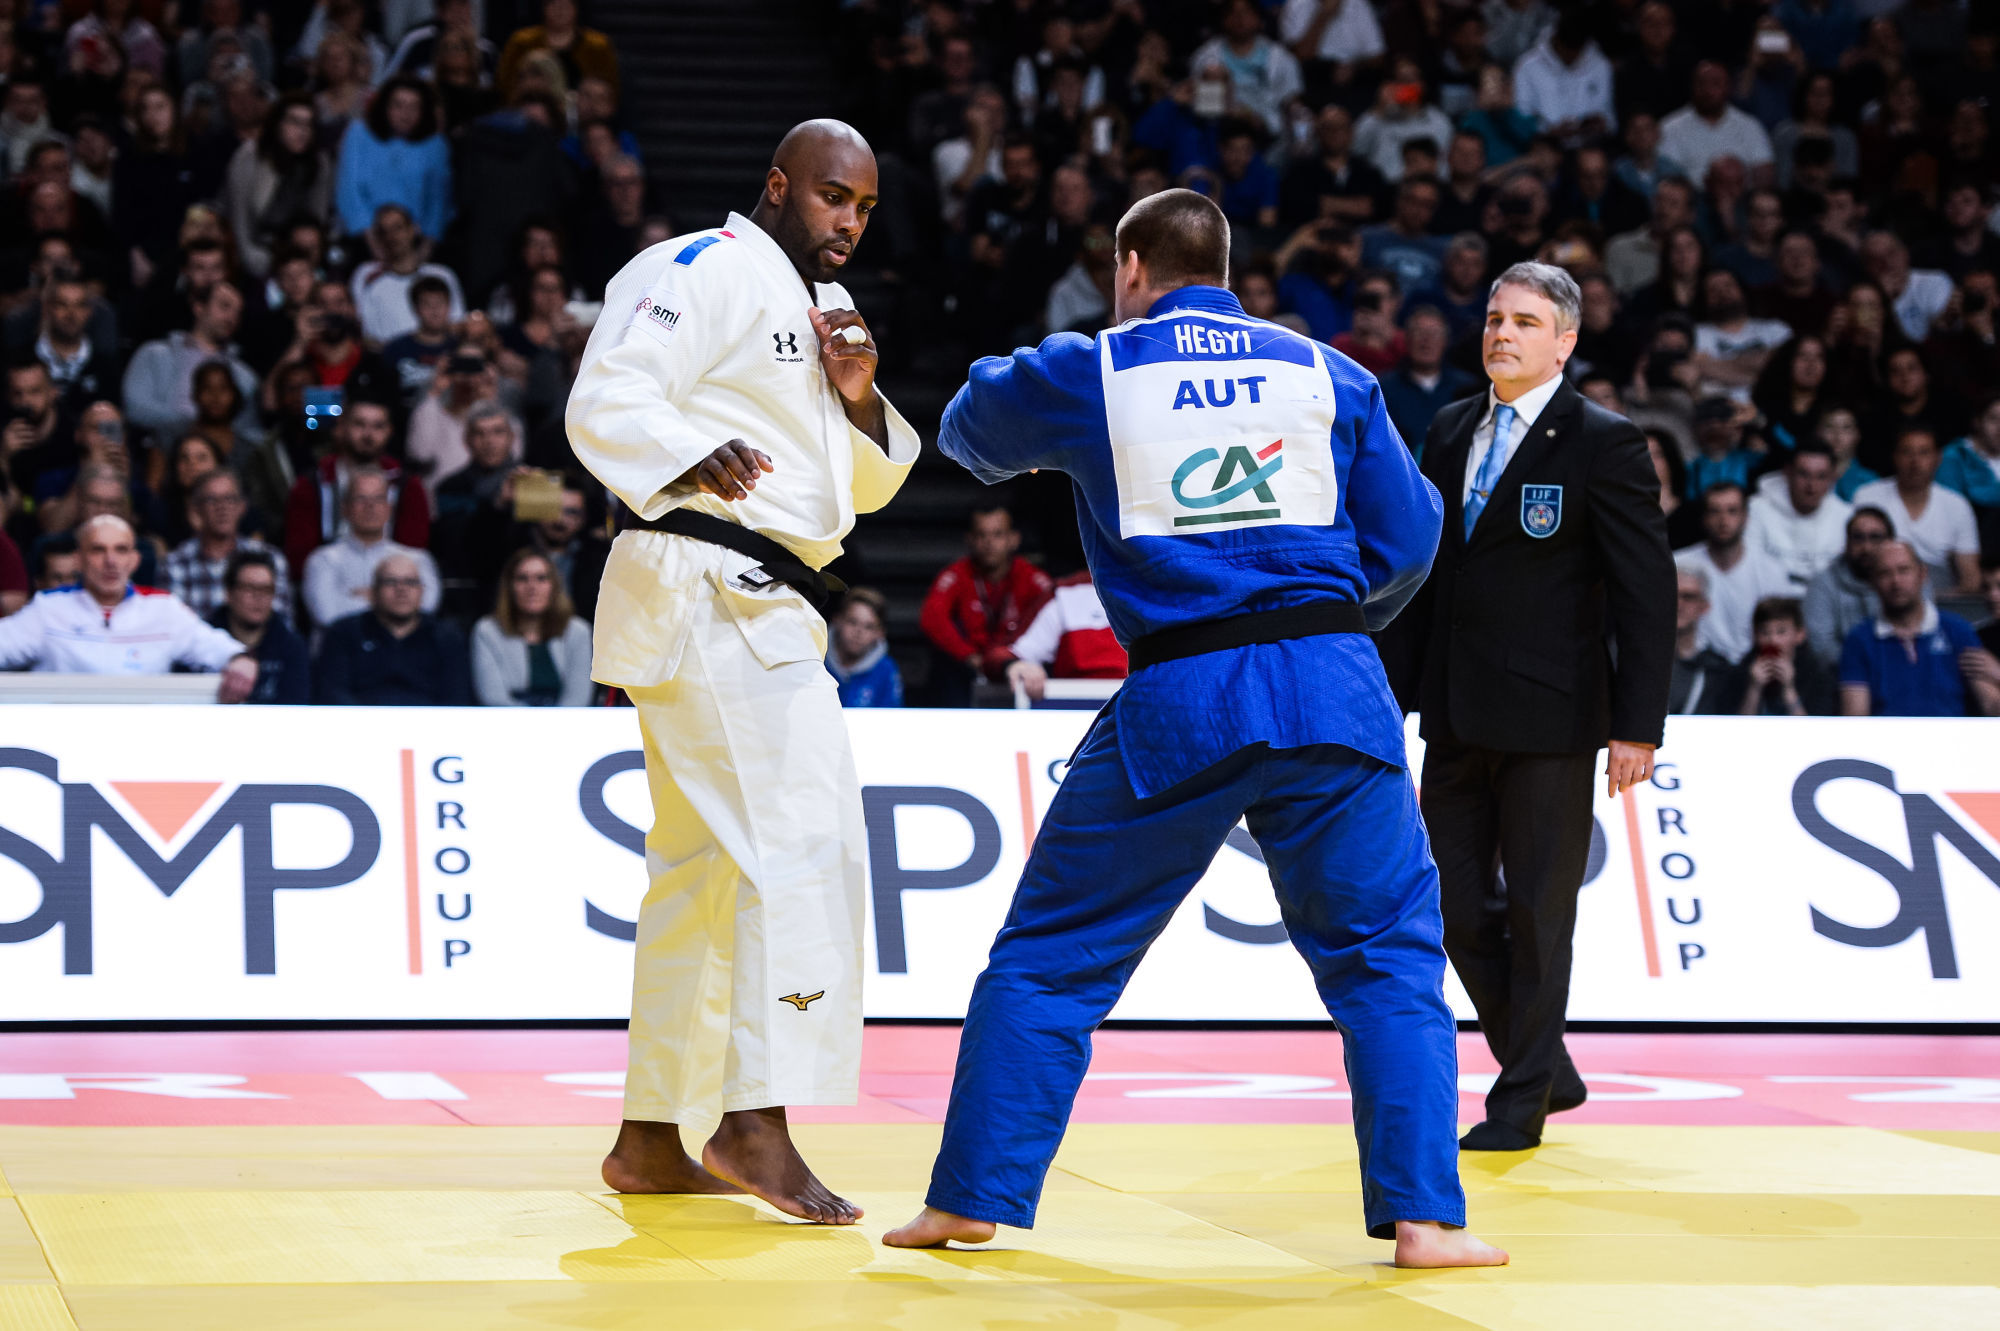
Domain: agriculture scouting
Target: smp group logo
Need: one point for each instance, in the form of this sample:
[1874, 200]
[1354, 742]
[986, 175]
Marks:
[165, 810]
[1919, 885]
[1238, 472]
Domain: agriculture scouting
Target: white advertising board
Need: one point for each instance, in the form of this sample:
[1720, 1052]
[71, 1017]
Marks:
[204, 863]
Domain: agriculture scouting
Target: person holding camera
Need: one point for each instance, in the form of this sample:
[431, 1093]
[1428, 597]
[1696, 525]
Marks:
[437, 439]
[1782, 675]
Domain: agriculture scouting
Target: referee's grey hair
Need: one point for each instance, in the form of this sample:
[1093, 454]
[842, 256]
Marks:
[1549, 282]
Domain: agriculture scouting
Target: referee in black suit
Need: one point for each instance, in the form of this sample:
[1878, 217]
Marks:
[1550, 633]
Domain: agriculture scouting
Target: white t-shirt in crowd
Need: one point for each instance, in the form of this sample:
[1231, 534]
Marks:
[1552, 92]
[1695, 143]
[382, 298]
[1722, 343]
[1802, 544]
[1352, 34]
[1922, 301]
[1948, 526]
[1733, 595]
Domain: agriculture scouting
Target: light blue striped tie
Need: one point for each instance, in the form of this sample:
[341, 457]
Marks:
[1490, 466]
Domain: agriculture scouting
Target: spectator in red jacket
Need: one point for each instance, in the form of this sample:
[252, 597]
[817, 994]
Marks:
[1070, 639]
[361, 439]
[979, 605]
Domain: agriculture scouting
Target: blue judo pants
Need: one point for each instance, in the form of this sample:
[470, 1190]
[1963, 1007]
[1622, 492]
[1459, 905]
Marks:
[1352, 869]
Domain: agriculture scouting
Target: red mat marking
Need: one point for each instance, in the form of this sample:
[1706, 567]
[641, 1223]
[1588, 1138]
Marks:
[573, 1077]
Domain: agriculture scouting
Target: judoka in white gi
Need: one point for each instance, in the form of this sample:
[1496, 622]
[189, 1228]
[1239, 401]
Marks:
[729, 379]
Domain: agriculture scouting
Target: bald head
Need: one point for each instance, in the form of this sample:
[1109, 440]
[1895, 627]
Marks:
[817, 197]
[808, 146]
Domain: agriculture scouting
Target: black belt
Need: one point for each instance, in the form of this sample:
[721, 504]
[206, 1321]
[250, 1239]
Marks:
[775, 560]
[1214, 635]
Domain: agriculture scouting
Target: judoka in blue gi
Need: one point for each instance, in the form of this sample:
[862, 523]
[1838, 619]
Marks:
[1247, 511]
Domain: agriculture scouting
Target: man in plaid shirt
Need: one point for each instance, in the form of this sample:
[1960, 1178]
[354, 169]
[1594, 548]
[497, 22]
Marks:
[196, 566]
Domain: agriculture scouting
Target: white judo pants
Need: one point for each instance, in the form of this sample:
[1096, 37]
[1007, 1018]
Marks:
[756, 860]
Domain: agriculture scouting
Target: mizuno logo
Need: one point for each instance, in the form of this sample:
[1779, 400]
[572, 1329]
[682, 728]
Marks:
[801, 1002]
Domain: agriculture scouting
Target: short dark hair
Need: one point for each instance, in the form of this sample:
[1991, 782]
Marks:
[1181, 236]
[243, 559]
[55, 543]
[1773, 608]
[377, 115]
[427, 284]
[1722, 487]
[1811, 448]
[1870, 511]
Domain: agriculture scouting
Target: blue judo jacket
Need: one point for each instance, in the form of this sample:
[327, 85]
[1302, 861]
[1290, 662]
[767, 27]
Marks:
[1223, 466]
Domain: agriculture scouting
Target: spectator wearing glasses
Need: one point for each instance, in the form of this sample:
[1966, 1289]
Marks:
[1843, 594]
[393, 654]
[533, 650]
[339, 577]
[252, 583]
[568, 541]
[198, 569]
[1698, 670]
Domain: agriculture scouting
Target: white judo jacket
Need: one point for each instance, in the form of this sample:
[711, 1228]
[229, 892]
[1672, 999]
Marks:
[705, 338]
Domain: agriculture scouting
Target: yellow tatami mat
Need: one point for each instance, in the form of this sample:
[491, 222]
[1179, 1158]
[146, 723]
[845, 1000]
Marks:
[1143, 1227]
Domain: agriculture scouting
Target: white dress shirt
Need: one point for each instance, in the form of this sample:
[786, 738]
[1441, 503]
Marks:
[1528, 409]
[339, 575]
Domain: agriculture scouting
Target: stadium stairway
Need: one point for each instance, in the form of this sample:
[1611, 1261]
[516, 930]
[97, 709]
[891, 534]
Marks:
[710, 86]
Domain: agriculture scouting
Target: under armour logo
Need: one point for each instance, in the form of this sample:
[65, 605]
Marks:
[801, 1003]
[788, 345]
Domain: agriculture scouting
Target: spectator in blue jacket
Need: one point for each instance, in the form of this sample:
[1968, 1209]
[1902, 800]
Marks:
[248, 614]
[859, 657]
[1971, 465]
[393, 654]
[395, 154]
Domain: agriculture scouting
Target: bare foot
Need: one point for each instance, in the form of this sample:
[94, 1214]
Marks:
[1423, 1244]
[753, 1149]
[648, 1157]
[934, 1228]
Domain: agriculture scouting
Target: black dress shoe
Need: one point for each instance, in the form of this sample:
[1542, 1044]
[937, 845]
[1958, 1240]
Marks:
[1568, 1098]
[1493, 1135]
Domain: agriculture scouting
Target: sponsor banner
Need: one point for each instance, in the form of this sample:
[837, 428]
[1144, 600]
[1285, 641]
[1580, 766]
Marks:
[234, 863]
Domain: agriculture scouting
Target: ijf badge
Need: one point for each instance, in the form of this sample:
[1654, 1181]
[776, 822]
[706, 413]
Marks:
[1541, 509]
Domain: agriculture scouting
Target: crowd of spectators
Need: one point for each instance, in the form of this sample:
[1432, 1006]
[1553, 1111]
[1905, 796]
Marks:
[297, 290]
[291, 294]
[1781, 214]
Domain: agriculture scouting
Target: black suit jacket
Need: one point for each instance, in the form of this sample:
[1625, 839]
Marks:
[1553, 642]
